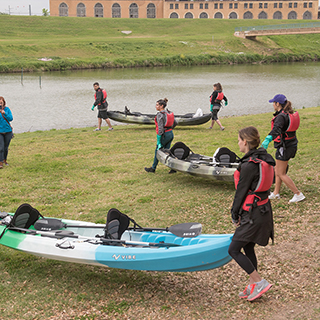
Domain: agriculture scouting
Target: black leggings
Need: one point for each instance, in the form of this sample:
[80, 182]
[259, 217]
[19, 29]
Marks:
[247, 262]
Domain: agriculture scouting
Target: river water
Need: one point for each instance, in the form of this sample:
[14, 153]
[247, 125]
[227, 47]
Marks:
[60, 100]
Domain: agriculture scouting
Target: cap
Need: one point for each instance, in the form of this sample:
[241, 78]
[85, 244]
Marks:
[281, 98]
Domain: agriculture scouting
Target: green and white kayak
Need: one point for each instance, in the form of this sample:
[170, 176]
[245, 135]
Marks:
[178, 248]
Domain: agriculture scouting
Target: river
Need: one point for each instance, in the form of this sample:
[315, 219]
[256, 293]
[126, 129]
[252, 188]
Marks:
[60, 100]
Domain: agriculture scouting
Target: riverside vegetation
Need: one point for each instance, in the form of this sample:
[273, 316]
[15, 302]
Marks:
[75, 43]
[81, 174]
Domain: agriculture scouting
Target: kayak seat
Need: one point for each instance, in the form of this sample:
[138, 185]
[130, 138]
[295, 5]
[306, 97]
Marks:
[180, 151]
[117, 224]
[25, 216]
[225, 157]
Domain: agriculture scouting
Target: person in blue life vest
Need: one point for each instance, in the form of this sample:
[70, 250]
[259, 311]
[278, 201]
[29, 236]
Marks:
[215, 104]
[165, 122]
[6, 133]
[251, 210]
[100, 97]
[284, 125]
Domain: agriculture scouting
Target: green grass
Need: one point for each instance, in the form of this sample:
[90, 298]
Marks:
[81, 174]
[98, 43]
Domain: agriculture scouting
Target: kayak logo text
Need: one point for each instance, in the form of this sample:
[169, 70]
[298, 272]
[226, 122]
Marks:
[124, 257]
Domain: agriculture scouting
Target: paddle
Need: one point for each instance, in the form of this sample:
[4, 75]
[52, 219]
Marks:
[184, 230]
[69, 234]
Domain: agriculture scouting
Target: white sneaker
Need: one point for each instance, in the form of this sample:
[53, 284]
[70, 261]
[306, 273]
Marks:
[110, 129]
[97, 129]
[297, 198]
[273, 196]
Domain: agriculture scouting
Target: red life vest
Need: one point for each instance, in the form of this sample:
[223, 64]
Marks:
[294, 123]
[218, 99]
[104, 92]
[169, 123]
[266, 174]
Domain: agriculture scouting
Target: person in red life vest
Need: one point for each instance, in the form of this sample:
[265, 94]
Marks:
[251, 210]
[165, 122]
[6, 133]
[102, 104]
[215, 104]
[283, 131]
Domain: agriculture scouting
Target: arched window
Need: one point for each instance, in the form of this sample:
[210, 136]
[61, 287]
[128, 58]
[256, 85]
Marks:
[262, 15]
[63, 10]
[174, 15]
[218, 15]
[116, 10]
[292, 15]
[98, 10]
[233, 15]
[81, 10]
[151, 10]
[307, 15]
[188, 15]
[248, 15]
[203, 15]
[277, 15]
[133, 11]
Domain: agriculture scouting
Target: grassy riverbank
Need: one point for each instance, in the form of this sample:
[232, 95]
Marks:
[81, 174]
[74, 43]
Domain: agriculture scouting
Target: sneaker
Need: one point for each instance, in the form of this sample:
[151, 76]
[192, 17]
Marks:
[1, 165]
[110, 129]
[222, 128]
[150, 169]
[258, 289]
[172, 171]
[209, 128]
[297, 198]
[273, 196]
[245, 293]
[97, 129]
[5, 162]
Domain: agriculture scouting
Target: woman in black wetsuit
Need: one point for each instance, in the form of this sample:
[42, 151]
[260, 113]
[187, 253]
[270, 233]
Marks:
[251, 209]
[283, 132]
[215, 104]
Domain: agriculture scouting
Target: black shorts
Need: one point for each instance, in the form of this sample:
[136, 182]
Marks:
[287, 154]
[214, 114]
[103, 114]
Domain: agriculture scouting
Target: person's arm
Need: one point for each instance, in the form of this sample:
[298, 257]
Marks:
[8, 114]
[99, 97]
[279, 123]
[161, 122]
[225, 100]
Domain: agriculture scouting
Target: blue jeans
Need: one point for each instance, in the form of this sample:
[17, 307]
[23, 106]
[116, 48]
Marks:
[5, 139]
[166, 140]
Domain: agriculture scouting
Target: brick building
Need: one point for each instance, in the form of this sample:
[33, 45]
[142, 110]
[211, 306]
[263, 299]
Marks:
[212, 9]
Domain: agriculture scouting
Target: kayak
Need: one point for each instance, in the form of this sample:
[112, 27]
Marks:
[221, 166]
[180, 248]
[189, 119]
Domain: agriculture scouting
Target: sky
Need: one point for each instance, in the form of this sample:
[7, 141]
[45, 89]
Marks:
[21, 7]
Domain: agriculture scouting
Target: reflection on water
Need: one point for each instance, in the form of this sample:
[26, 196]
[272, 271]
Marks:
[65, 98]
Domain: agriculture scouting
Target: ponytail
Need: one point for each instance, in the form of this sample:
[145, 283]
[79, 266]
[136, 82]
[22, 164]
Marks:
[287, 107]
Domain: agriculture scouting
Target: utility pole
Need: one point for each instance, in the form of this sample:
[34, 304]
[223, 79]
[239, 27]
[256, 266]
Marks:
[29, 9]
[9, 9]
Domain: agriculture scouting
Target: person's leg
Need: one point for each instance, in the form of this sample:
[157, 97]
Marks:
[250, 253]
[281, 176]
[166, 139]
[108, 123]
[155, 160]
[99, 123]
[7, 140]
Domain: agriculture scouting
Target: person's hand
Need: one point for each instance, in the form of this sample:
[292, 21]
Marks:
[93, 107]
[225, 103]
[236, 222]
[159, 146]
[266, 141]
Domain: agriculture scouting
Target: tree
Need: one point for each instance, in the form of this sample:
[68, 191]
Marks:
[45, 12]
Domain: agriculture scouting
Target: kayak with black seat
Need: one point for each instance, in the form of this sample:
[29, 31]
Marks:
[178, 248]
[221, 166]
[189, 119]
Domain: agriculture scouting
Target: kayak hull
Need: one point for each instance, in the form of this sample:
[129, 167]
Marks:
[204, 252]
[204, 168]
[139, 118]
